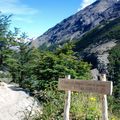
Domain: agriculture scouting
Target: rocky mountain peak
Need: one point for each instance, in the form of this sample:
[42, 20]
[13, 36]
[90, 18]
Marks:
[78, 24]
[112, 1]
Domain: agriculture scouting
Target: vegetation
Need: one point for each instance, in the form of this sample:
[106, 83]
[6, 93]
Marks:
[38, 71]
[114, 75]
[101, 34]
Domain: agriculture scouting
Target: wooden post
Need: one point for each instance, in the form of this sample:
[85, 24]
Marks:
[67, 104]
[104, 102]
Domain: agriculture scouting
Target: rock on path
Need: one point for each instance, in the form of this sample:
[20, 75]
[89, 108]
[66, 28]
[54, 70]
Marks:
[15, 103]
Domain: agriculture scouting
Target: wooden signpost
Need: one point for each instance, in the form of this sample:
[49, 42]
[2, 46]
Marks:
[104, 101]
[102, 87]
[67, 103]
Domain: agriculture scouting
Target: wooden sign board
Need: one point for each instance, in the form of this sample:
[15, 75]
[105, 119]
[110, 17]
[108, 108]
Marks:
[100, 87]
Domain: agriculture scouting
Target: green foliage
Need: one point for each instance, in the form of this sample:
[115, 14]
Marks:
[45, 66]
[114, 75]
[53, 107]
[7, 40]
[4, 24]
[85, 106]
[38, 71]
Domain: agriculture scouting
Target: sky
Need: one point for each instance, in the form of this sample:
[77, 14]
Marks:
[36, 16]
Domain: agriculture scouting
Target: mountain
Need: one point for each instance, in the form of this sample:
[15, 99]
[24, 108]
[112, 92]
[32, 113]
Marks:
[95, 45]
[78, 24]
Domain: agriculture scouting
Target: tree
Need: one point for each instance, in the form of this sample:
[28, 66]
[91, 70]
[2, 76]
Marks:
[17, 62]
[7, 40]
[4, 23]
[114, 75]
[71, 63]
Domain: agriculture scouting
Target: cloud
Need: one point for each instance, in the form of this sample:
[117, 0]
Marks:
[22, 19]
[16, 7]
[85, 3]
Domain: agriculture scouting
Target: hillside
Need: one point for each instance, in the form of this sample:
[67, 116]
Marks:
[101, 34]
[94, 45]
[78, 24]
[101, 47]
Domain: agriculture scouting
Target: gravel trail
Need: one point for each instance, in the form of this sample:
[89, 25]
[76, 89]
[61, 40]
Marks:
[15, 103]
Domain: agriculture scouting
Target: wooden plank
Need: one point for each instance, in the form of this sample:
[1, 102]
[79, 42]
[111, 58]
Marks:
[101, 87]
[104, 101]
[67, 103]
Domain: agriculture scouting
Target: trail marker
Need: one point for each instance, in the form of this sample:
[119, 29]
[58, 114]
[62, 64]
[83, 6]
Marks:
[102, 87]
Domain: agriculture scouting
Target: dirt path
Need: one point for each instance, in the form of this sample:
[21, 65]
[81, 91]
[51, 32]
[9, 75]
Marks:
[15, 103]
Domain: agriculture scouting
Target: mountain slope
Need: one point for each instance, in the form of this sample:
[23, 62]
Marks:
[103, 33]
[78, 24]
[95, 45]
